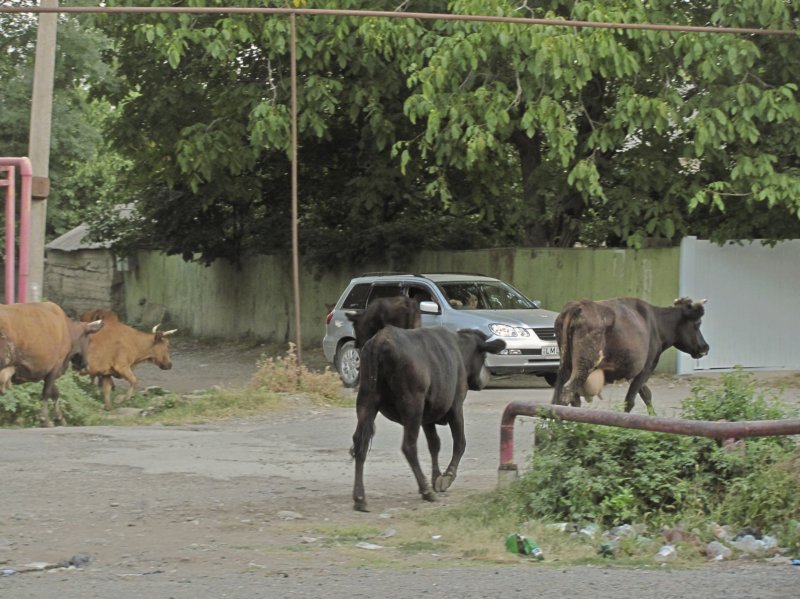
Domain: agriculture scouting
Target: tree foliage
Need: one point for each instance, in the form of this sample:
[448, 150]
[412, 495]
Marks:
[422, 133]
[82, 166]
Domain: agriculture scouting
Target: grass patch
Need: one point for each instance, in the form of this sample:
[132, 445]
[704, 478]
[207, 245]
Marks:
[278, 383]
[587, 481]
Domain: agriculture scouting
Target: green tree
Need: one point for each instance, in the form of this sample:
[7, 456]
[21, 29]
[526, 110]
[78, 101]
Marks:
[418, 133]
[82, 168]
[622, 135]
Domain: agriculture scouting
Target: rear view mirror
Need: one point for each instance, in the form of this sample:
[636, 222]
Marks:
[427, 307]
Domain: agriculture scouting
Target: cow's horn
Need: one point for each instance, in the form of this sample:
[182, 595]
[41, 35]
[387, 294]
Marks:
[165, 333]
[155, 328]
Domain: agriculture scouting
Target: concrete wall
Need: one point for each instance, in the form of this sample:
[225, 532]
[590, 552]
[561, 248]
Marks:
[83, 279]
[257, 300]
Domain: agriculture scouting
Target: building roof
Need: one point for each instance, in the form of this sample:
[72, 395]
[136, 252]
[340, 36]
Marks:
[73, 240]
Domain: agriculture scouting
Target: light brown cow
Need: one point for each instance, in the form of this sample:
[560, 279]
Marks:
[118, 348]
[38, 341]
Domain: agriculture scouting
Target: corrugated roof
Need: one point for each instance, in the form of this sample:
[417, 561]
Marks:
[72, 241]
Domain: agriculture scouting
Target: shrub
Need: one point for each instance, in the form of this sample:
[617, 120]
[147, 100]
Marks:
[20, 405]
[613, 475]
[286, 375]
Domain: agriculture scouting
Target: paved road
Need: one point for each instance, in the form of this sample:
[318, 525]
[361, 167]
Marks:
[194, 511]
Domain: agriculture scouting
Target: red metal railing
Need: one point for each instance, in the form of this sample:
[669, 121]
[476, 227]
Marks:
[678, 426]
[9, 165]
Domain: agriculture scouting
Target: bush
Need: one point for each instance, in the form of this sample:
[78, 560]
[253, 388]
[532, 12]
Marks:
[20, 405]
[285, 375]
[613, 475]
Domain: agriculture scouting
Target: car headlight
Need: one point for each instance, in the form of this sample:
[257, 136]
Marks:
[505, 330]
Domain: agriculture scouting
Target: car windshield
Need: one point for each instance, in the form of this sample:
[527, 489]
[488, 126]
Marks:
[489, 295]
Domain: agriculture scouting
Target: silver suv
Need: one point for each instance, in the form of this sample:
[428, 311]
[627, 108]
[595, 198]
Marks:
[455, 301]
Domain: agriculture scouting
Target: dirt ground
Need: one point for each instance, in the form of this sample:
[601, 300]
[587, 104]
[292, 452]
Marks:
[256, 507]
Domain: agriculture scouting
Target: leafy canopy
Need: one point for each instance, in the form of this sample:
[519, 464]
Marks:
[441, 134]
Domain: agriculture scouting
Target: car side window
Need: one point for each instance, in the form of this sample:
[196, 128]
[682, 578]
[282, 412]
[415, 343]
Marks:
[379, 291]
[357, 298]
[420, 294]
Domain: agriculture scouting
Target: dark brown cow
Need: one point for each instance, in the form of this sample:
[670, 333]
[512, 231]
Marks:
[402, 312]
[418, 378]
[624, 339]
[37, 343]
[118, 348]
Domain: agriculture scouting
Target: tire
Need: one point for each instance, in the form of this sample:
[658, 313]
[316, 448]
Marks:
[348, 361]
[550, 378]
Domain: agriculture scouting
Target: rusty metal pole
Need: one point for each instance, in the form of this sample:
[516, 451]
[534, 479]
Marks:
[699, 428]
[295, 250]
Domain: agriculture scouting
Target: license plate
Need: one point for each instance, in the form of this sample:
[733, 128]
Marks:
[550, 351]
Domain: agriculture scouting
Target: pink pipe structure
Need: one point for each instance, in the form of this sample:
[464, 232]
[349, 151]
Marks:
[678, 426]
[26, 174]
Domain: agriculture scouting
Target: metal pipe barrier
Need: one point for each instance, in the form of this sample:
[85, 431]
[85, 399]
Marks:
[508, 470]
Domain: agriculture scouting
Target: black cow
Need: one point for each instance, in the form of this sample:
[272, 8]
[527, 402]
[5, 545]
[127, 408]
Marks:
[623, 338]
[418, 378]
[400, 311]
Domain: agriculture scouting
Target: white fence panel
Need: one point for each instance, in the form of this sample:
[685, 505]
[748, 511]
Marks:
[753, 292]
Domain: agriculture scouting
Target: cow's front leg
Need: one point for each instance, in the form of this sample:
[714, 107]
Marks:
[47, 393]
[410, 436]
[127, 374]
[106, 385]
[443, 482]
[44, 415]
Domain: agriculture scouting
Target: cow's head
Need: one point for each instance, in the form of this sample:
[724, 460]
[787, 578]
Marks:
[79, 333]
[361, 327]
[474, 347]
[688, 337]
[160, 353]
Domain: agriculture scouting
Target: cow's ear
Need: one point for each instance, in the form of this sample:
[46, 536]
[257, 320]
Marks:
[693, 310]
[352, 316]
[494, 346]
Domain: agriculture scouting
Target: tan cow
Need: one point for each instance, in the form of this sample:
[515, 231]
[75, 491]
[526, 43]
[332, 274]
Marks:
[118, 348]
[37, 343]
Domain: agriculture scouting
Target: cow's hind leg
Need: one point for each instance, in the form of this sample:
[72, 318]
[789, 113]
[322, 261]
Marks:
[443, 483]
[434, 446]
[647, 398]
[637, 387]
[410, 436]
[365, 430]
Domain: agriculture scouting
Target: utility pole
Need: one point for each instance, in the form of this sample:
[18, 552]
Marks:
[39, 143]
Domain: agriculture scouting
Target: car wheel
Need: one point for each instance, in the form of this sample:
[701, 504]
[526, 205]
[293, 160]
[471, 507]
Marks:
[550, 378]
[348, 361]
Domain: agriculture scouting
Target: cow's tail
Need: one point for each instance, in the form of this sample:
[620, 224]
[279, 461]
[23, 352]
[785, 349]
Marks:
[564, 338]
[367, 400]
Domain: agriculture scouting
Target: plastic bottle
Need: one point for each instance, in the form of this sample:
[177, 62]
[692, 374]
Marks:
[667, 553]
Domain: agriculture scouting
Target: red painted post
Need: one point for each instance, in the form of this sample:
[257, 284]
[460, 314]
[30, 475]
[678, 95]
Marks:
[677, 426]
[11, 219]
[26, 174]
